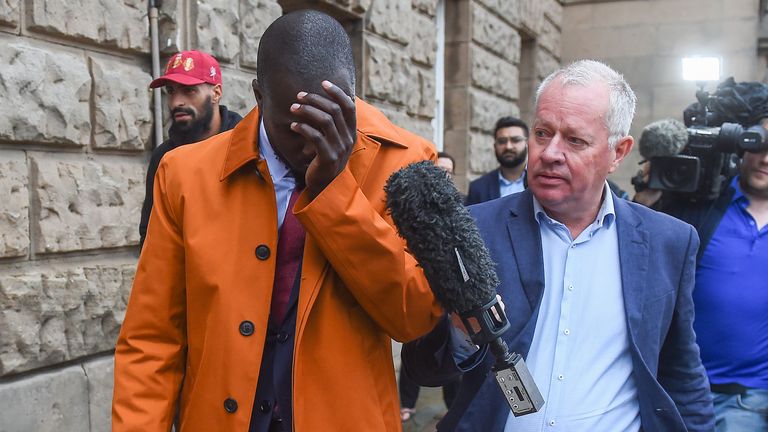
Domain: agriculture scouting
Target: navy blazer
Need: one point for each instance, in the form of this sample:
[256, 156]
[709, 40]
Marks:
[657, 255]
[484, 188]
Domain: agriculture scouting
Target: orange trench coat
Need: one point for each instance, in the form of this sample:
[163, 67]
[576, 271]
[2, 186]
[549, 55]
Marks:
[198, 278]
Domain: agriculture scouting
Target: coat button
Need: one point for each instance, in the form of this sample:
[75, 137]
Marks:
[230, 405]
[265, 406]
[262, 252]
[282, 337]
[246, 328]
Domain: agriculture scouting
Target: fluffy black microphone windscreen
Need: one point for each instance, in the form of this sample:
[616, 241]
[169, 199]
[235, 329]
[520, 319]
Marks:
[666, 137]
[429, 214]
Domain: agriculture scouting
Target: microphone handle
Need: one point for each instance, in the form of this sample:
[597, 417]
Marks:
[500, 350]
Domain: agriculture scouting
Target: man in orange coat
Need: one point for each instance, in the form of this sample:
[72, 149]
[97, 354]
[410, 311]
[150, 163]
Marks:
[272, 279]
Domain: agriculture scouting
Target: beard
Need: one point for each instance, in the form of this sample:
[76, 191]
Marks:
[195, 129]
[512, 162]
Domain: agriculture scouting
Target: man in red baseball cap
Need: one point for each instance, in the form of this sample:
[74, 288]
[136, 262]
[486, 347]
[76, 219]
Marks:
[193, 88]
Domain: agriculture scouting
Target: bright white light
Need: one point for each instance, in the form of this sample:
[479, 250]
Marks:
[701, 68]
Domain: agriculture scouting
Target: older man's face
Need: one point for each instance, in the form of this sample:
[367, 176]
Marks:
[569, 157]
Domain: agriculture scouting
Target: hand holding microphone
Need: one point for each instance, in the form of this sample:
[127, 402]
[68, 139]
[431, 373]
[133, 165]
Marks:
[429, 214]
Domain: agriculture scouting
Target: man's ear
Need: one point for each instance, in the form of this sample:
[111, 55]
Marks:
[623, 147]
[257, 91]
[217, 93]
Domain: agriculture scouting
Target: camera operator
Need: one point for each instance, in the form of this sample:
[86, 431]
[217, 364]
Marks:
[731, 291]
[731, 295]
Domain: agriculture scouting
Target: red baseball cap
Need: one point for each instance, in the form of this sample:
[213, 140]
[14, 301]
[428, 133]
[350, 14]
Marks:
[190, 68]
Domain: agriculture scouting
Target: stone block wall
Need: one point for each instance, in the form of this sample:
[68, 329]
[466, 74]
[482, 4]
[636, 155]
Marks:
[646, 40]
[497, 51]
[76, 134]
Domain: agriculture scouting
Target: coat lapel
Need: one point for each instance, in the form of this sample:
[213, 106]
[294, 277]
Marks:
[525, 241]
[243, 145]
[633, 256]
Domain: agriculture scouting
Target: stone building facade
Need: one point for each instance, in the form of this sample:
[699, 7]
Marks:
[75, 137]
[496, 53]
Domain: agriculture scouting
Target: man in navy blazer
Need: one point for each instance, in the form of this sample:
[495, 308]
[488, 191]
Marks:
[510, 137]
[597, 289]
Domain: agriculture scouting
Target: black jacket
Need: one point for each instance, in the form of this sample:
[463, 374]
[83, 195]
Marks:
[229, 120]
[484, 188]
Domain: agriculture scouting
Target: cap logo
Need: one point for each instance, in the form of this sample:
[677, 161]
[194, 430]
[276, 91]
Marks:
[213, 72]
[176, 61]
[189, 64]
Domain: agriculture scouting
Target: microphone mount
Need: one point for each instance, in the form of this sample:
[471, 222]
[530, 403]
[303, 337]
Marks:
[485, 325]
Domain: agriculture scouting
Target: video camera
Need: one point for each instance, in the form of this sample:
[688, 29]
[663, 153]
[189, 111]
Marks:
[697, 159]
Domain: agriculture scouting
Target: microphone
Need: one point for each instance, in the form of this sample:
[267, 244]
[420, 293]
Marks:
[665, 137]
[429, 214]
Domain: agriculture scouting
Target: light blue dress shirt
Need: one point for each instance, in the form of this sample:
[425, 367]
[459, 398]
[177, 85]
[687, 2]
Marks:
[282, 178]
[507, 187]
[579, 355]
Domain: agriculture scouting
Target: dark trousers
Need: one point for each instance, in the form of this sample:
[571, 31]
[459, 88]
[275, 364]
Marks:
[409, 391]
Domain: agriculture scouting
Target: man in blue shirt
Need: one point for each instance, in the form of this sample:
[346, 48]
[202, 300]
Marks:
[597, 289]
[731, 296]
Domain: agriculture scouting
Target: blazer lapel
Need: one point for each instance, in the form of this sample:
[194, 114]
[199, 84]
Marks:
[525, 240]
[633, 256]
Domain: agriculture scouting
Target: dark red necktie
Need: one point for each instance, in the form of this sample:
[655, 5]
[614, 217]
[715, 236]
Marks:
[290, 247]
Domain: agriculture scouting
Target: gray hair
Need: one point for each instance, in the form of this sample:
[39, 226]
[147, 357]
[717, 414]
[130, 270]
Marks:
[621, 99]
